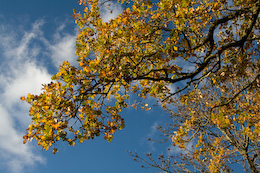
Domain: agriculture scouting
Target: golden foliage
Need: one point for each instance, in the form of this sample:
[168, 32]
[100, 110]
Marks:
[209, 48]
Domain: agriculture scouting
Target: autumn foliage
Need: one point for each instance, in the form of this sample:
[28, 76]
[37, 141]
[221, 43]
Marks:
[208, 51]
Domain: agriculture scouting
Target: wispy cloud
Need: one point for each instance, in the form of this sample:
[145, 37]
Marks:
[110, 10]
[23, 69]
[154, 131]
[16, 155]
[19, 75]
[62, 46]
[64, 50]
[173, 150]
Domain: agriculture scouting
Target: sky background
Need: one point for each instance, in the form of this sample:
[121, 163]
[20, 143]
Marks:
[35, 38]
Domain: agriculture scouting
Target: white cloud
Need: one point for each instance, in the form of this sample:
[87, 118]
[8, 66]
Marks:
[175, 149]
[21, 73]
[63, 50]
[61, 47]
[24, 56]
[15, 48]
[28, 78]
[106, 10]
[16, 154]
[152, 133]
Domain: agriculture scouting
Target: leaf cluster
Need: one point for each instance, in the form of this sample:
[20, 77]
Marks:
[210, 49]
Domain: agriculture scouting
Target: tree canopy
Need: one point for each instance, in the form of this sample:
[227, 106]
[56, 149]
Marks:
[200, 57]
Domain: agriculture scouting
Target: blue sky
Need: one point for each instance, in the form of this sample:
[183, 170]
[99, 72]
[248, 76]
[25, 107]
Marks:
[35, 37]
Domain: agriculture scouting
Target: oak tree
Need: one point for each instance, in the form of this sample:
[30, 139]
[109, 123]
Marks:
[208, 51]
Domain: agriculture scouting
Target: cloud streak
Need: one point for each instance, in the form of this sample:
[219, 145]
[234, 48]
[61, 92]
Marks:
[22, 71]
[19, 75]
[27, 57]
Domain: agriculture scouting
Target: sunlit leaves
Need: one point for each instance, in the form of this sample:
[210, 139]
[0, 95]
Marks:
[209, 48]
[211, 116]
